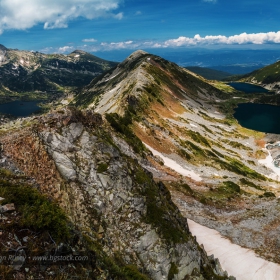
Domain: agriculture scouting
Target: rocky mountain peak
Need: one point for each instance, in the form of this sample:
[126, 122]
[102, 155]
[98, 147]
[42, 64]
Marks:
[3, 48]
[3, 51]
[137, 81]
[137, 54]
[25, 72]
[78, 52]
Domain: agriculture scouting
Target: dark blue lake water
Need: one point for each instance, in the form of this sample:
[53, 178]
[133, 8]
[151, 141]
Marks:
[20, 108]
[248, 88]
[260, 117]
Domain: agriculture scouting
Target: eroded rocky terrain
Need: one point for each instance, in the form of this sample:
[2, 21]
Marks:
[106, 194]
[134, 135]
[228, 173]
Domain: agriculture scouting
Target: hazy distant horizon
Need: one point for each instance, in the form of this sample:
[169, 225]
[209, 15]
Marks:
[58, 26]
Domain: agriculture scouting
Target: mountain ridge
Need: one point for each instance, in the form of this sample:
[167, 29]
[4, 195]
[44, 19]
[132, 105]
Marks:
[187, 125]
[134, 72]
[209, 73]
[25, 73]
[141, 141]
[267, 76]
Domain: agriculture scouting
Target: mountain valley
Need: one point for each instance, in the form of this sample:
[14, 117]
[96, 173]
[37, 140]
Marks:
[132, 154]
[33, 75]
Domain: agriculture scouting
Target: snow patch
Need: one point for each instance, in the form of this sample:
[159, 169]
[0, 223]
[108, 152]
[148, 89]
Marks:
[193, 125]
[174, 165]
[237, 261]
[269, 162]
[110, 78]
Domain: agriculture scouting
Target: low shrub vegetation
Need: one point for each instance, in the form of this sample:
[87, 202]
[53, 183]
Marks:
[37, 211]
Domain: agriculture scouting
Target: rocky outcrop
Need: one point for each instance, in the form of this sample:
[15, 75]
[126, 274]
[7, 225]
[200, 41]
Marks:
[108, 195]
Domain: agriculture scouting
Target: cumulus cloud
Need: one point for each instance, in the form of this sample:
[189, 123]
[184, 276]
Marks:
[197, 40]
[65, 49]
[118, 45]
[243, 38]
[17, 14]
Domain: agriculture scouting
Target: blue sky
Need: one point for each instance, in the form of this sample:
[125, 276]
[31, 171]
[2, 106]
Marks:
[107, 25]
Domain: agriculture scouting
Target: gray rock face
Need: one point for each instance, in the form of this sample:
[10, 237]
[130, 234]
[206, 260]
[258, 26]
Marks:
[148, 240]
[64, 165]
[7, 208]
[104, 194]
[75, 130]
[58, 143]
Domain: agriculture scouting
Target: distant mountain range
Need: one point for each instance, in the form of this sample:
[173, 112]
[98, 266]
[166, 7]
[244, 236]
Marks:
[95, 165]
[208, 73]
[233, 61]
[23, 72]
[142, 146]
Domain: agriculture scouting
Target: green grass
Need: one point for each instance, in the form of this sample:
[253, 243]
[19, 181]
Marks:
[219, 195]
[122, 125]
[198, 152]
[240, 168]
[184, 154]
[113, 264]
[244, 181]
[198, 138]
[172, 271]
[230, 186]
[187, 188]
[102, 167]
[267, 75]
[269, 194]
[206, 128]
[160, 209]
[37, 211]
[227, 107]
[236, 145]
[225, 162]
[224, 87]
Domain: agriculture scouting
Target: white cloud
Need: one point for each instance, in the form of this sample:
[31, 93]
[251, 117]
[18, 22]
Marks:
[118, 16]
[197, 40]
[19, 14]
[118, 45]
[243, 38]
[91, 40]
[138, 13]
[210, 1]
[65, 49]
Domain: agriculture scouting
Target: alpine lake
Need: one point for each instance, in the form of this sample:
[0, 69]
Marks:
[259, 117]
[248, 88]
[20, 108]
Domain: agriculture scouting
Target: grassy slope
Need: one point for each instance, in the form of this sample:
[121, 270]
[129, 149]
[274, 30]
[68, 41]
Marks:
[267, 75]
[208, 73]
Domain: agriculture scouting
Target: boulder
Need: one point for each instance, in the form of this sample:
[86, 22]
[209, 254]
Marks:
[65, 166]
[7, 208]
